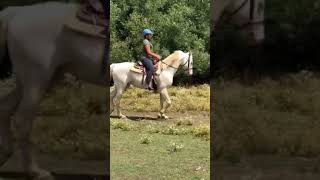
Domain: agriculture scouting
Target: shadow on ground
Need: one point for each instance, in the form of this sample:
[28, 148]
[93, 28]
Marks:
[140, 118]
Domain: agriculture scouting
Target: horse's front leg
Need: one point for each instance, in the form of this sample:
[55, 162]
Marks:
[112, 95]
[165, 103]
[23, 122]
[7, 107]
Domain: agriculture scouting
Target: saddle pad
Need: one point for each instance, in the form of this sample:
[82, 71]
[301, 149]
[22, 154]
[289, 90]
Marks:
[139, 70]
[72, 22]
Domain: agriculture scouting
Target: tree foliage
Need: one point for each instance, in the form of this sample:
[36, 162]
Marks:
[292, 37]
[177, 24]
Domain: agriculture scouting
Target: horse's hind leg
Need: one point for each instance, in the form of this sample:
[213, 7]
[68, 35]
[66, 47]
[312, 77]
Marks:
[33, 90]
[7, 106]
[116, 101]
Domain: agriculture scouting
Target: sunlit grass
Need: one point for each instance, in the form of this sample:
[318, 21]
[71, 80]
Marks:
[184, 99]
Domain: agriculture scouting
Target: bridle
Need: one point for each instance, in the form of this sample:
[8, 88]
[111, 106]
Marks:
[184, 69]
[251, 14]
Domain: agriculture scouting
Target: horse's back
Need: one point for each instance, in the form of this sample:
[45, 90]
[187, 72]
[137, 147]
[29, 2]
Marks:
[40, 18]
[122, 64]
[34, 29]
[122, 67]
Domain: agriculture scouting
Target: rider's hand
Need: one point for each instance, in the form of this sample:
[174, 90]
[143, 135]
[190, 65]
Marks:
[158, 57]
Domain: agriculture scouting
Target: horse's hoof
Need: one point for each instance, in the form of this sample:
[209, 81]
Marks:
[43, 175]
[5, 154]
[162, 116]
[122, 116]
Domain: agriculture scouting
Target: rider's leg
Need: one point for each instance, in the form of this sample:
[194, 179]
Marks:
[149, 68]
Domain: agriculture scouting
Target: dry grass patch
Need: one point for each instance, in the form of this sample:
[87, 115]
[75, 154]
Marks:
[269, 117]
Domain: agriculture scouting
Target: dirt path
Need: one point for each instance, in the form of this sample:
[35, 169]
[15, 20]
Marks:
[199, 117]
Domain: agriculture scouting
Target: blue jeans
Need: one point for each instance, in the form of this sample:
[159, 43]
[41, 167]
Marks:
[147, 63]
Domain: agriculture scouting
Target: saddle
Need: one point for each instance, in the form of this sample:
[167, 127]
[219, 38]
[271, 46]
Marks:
[92, 12]
[139, 68]
[88, 18]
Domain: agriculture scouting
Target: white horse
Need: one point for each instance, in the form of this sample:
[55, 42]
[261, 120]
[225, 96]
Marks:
[248, 15]
[123, 77]
[41, 50]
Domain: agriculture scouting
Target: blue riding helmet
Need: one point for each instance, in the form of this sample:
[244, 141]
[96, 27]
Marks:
[147, 31]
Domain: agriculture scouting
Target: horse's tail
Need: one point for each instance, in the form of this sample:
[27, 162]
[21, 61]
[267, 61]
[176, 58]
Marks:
[4, 14]
[5, 64]
[111, 75]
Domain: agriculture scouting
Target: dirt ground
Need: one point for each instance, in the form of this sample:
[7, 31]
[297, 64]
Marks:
[61, 168]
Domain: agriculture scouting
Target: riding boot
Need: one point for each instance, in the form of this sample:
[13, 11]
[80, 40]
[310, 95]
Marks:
[148, 83]
[148, 86]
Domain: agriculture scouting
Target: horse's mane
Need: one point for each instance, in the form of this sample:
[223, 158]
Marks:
[172, 58]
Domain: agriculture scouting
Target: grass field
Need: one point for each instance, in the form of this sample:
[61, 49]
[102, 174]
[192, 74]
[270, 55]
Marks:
[144, 147]
[136, 155]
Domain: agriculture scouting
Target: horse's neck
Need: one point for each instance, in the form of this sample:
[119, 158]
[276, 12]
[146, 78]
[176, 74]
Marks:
[172, 65]
[175, 63]
[169, 69]
[175, 60]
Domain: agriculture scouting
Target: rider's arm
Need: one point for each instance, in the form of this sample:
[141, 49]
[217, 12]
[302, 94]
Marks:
[150, 53]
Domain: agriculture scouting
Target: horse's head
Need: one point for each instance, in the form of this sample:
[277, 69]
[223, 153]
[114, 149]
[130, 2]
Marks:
[248, 15]
[188, 63]
[178, 59]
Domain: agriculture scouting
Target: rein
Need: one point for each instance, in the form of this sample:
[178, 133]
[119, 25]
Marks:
[188, 61]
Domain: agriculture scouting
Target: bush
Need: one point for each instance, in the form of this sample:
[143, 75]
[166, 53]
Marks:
[291, 42]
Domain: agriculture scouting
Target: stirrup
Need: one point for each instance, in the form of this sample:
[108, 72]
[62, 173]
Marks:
[150, 88]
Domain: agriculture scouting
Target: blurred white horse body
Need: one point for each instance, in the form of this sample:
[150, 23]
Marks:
[123, 77]
[41, 50]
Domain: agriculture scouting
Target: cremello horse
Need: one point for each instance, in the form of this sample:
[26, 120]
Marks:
[41, 50]
[123, 77]
[248, 15]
